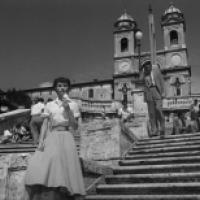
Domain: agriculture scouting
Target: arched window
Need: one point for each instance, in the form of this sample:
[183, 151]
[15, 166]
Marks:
[91, 93]
[173, 37]
[124, 44]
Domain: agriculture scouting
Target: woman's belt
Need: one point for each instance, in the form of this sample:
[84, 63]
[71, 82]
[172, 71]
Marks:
[60, 128]
[153, 86]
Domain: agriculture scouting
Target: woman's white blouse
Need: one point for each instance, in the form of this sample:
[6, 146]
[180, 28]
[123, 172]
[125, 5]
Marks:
[55, 110]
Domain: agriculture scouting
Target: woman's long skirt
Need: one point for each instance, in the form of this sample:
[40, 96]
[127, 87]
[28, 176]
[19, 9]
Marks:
[57, 167]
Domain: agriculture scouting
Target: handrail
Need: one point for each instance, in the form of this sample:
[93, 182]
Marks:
[13, 113]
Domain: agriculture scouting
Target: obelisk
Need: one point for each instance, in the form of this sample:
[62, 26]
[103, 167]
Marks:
[152, 36]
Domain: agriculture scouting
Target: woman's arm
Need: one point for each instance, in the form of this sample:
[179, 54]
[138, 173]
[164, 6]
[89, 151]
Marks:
[73, 123]
[43, 133]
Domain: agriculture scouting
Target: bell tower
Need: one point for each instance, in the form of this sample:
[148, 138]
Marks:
[124, 44]
[177, 70]
[173, 25]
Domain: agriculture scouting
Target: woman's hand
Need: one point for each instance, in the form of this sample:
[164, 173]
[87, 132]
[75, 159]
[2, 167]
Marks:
[45, 115]
[40, 146]
[66, 105]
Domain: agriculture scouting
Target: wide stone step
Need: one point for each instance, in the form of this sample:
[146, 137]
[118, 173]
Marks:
[165, 149]
[20, 148]
[150, 188]
[16, 145]
[143, 197]
[152, 178]
[146, 169]
[167, 140]
[175, 144]
[161, 160]
[187, 135]
[163, 154]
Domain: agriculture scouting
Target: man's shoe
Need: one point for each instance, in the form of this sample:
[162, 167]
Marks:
[154, 134]
[162, 134]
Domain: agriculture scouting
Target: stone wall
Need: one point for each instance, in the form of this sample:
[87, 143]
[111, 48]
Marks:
[103, 140]
[12, 171]
[139, 126]
[99, 139]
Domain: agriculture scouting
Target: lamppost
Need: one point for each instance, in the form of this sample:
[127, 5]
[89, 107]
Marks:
[138, 37]
[190, 86]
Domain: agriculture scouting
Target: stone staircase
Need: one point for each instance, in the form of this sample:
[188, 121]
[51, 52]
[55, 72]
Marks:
[28, 147]
[155, 169]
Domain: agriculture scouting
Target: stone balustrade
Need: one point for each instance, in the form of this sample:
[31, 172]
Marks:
[178, 103]
[96, 106]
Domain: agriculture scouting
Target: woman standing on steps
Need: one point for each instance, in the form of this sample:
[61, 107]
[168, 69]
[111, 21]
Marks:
[54, 171]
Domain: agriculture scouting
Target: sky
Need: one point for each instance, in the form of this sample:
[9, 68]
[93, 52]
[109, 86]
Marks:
[43, 39]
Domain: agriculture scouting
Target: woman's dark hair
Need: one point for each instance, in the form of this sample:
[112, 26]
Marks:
[61, 80]
[49, 99]
[196, 101]
[41, 100]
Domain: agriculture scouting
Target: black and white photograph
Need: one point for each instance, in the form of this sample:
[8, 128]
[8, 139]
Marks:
[99, 100]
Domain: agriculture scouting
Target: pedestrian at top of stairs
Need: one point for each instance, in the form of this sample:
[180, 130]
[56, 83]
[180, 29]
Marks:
[126, 112]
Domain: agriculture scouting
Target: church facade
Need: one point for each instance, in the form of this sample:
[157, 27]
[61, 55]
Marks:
[172, 60]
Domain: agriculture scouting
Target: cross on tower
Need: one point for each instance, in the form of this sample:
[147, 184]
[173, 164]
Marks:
[177, 85]
[124, 90]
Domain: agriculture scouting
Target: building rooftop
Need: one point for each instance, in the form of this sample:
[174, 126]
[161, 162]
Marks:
[125, 17]
[172, 9]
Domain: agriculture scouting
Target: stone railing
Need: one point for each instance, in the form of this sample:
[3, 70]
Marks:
[96, 106]
[178, 102]
[9, 119]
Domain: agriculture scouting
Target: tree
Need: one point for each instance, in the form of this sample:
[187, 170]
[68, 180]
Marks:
[18, 98]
